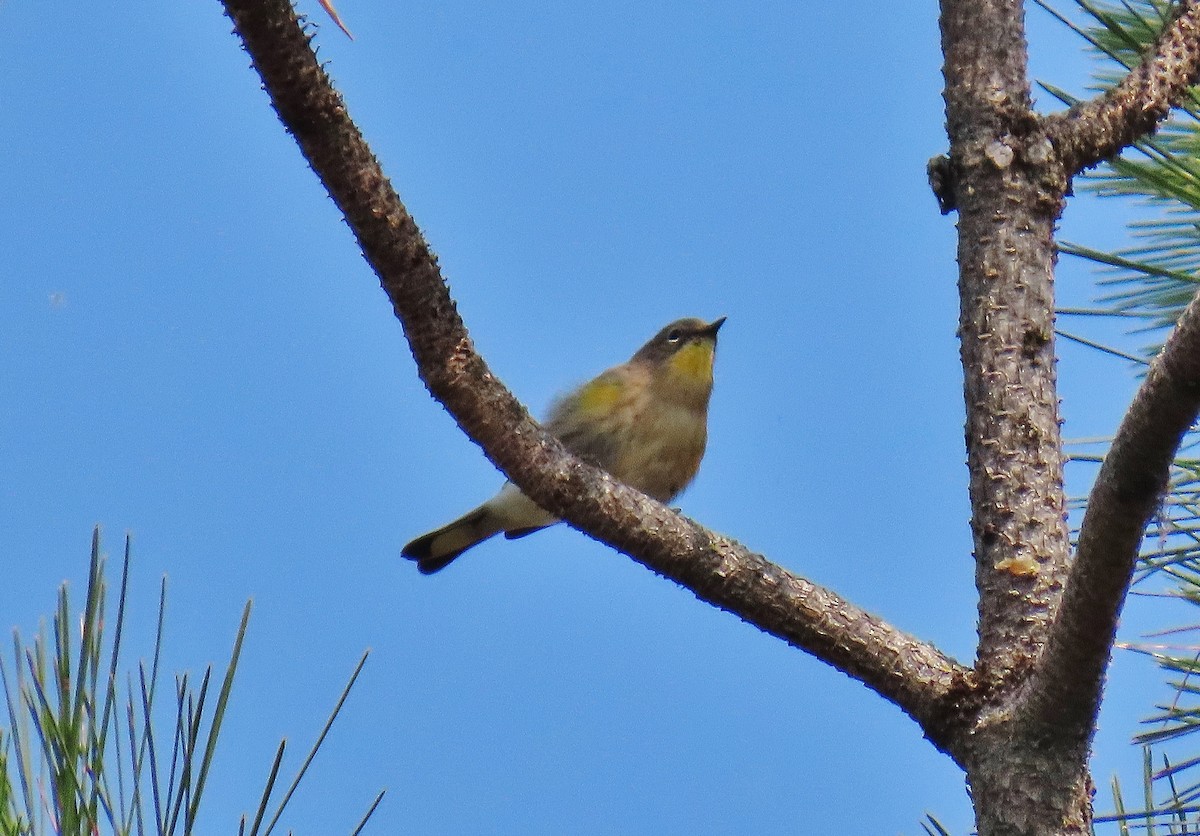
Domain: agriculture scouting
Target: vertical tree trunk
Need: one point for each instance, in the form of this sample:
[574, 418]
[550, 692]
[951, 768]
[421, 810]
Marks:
[1009, 190]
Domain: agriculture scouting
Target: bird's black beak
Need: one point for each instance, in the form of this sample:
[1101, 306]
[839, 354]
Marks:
[713, 327]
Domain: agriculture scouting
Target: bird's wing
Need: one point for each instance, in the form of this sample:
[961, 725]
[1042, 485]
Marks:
[582, 419]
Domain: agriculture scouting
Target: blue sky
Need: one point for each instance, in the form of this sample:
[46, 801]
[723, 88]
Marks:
[194, 351]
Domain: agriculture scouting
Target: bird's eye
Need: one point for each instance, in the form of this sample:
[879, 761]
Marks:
[674, 336]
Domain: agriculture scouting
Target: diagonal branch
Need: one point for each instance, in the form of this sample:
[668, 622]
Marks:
[926, 684]
[1065, 690]
[1093, 131]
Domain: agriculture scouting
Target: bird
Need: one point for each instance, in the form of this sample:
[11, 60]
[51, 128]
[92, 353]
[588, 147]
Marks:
[645, 421]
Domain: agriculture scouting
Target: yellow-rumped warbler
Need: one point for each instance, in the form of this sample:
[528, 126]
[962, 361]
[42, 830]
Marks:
[645, 422]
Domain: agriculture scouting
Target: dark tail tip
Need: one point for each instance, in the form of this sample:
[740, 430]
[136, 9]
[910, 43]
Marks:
[429, 565]
[419, 551]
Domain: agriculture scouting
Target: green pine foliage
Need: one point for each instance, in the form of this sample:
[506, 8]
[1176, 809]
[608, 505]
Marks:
[80, 751]
[1147, 286]
[1153, 281]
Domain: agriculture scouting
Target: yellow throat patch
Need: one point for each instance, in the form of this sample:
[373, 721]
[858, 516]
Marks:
[694, 363]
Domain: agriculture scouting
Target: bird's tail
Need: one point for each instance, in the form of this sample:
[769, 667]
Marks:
[509, 511]
[435, 550]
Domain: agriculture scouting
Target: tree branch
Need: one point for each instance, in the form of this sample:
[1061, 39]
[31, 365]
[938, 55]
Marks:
[1065, 690]
[1093, 131]
[926, 684]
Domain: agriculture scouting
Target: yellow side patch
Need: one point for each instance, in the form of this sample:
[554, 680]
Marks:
[694, 361]
[599, 395]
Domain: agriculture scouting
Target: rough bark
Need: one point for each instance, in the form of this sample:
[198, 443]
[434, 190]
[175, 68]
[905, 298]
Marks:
[1007, 207]
[1093, 131]
[1009, 195]
[1122, 501]
[1007, 174]
[1020, 722]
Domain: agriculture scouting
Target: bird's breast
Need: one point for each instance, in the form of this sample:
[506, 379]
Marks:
[663, 453]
